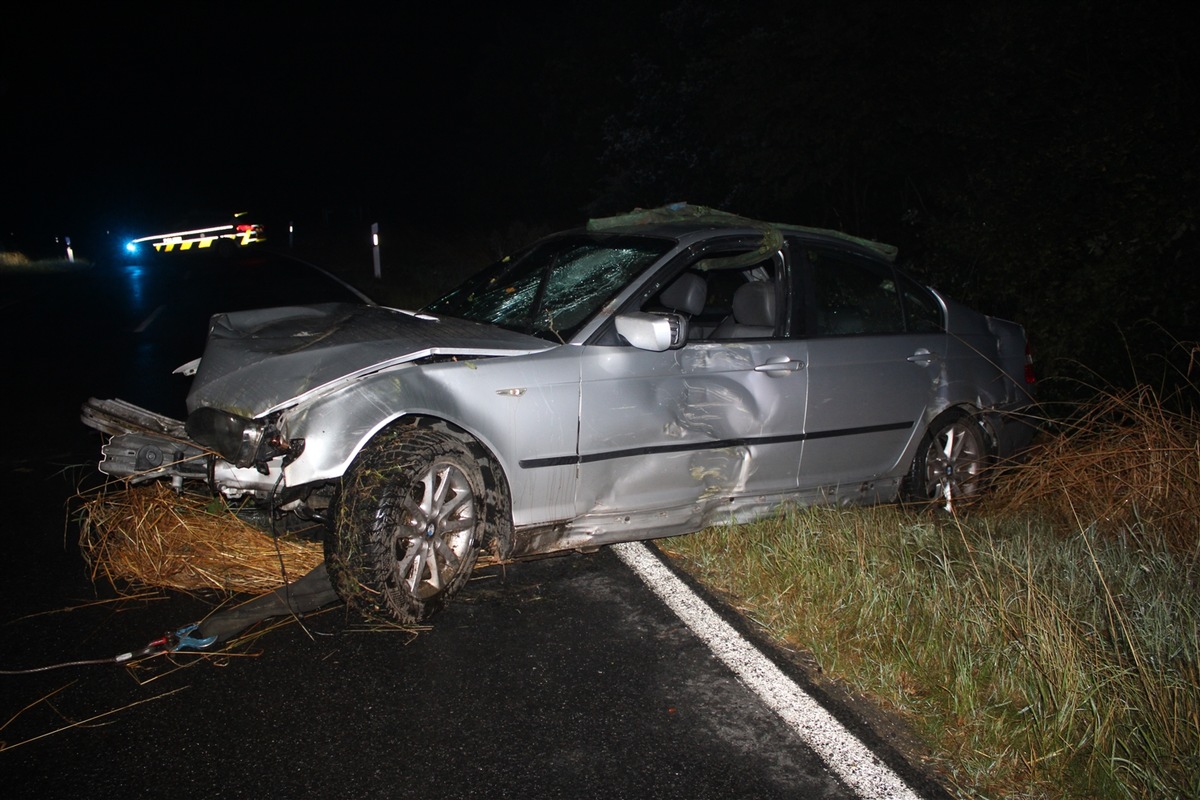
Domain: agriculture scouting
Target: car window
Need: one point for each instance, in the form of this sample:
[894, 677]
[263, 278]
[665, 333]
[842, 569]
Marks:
[729, 297]
[852, 297]
[555, 286]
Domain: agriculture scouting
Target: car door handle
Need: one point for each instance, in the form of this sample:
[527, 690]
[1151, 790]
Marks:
[924, 357]
[779, 365]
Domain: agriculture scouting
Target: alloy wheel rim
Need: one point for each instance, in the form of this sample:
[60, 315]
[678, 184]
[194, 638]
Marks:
[952, 465]
[437, 532]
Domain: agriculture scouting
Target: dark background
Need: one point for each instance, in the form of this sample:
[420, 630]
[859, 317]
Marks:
[1036, 160]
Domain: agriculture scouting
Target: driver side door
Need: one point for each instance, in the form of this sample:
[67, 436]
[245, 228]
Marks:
[722, 417]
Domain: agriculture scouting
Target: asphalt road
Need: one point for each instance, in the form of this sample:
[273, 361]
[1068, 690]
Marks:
[565, 677]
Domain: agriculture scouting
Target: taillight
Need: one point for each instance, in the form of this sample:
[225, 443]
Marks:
[1030, 377]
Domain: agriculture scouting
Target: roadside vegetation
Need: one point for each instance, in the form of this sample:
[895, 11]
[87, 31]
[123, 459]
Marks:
[1043, 643]
[17, 263]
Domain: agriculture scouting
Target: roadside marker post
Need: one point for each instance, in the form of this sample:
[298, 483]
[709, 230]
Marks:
[375, 247]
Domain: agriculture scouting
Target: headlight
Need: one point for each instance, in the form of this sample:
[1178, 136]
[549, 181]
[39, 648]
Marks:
[236, 438]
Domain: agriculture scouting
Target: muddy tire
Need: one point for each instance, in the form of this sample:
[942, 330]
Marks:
[412, 514]
[949, 468]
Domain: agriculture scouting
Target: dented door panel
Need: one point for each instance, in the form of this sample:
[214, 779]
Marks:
[664, 430]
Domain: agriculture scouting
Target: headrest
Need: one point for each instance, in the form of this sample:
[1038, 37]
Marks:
[754, 304]
[686, 293]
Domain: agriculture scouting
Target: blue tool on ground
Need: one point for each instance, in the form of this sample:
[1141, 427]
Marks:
[183, 640]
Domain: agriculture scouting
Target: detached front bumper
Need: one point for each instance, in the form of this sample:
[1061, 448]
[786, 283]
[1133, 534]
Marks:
[144, 445]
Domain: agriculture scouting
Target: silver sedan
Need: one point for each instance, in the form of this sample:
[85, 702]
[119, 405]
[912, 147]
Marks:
[644, 376]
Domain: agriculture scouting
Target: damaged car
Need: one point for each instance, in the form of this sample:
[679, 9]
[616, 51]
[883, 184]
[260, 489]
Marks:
[643, 376]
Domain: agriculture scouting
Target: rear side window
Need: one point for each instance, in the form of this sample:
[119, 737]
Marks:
[855, 297]
[851, 297]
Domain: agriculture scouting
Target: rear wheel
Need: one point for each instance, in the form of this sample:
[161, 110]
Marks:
[412, 514]
[948, 468]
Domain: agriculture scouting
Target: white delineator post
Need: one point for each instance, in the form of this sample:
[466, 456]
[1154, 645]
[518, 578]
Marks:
[375, 247]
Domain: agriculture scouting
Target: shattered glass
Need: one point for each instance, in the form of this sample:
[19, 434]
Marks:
[554, 287]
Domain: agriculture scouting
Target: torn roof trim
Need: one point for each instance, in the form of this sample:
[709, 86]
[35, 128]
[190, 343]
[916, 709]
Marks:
[703, 215]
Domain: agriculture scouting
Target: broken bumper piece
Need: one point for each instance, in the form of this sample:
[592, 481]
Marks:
[145, 445]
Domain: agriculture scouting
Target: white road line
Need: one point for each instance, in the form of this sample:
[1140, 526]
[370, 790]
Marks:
[841, 751]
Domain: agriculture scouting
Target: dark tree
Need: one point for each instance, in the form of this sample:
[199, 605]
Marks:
[1036, 160]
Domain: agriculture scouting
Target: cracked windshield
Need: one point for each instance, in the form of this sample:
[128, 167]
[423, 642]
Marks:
[553, 288]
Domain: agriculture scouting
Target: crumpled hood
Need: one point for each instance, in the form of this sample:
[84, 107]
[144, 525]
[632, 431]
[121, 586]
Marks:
[257, 361]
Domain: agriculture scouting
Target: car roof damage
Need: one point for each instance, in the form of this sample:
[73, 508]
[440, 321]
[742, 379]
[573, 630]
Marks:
[704, 217]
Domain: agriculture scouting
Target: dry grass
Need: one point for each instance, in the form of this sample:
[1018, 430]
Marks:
[18, 263]
[1125, 465]
[151, 536]
[9, 259]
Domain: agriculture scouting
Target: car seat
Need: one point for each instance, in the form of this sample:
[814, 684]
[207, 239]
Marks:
[753, 313]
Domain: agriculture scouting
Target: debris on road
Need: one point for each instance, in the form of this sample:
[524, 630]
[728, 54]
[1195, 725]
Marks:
[152, 536]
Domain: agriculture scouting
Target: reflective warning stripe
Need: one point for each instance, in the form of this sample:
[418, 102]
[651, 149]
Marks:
[176, 243]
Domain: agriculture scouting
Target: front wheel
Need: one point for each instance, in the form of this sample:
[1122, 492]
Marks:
[412, 514]
[948, 468]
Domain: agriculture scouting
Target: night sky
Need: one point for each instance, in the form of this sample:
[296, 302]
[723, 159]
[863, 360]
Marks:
[423, 108]
[861, 115]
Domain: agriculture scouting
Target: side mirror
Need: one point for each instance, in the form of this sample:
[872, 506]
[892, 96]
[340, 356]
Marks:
[655, 332]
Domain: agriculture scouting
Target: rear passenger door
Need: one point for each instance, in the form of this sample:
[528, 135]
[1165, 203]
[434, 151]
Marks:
[876, 350]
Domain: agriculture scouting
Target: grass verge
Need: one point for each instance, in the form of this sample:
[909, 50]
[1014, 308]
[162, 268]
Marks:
[1030, 664]
[1045, 645]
